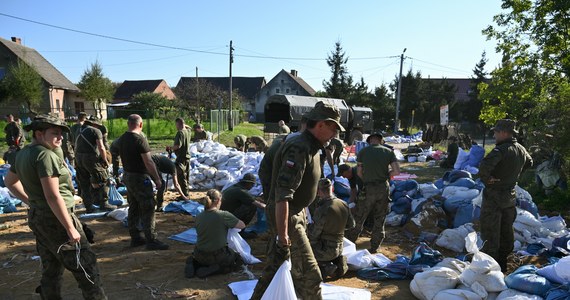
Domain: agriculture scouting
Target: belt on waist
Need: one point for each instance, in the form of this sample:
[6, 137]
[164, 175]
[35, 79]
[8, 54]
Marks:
[49, 211]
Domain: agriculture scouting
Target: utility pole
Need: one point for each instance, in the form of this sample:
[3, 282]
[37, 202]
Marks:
[198, 95]
[231, 124]
[397, 121]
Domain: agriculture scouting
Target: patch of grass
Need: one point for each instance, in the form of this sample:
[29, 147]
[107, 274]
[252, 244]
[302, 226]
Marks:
[425, 173]
[247, 129]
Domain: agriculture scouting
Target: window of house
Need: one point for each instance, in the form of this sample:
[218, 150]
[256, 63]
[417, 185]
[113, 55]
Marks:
[282, 81]
[277, 91]
[2, 72]
[287, 91]
[79, 107]
[57, 106]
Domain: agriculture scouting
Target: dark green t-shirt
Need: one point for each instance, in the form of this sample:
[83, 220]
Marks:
[375, 160]
[163, 164]
[35, 162]
[182, 139]
[212, 229]
[235, 196]
[130, 146]
[87, 140]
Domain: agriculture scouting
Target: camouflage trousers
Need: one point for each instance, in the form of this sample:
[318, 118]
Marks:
[376, 202]
[498, 213]
[57, 255]
[91, 171]
[141, 205]
[228, 259]
[330, 251]
[182, 174]
[304, 267]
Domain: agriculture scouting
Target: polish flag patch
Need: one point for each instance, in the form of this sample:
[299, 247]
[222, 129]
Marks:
[290, 164]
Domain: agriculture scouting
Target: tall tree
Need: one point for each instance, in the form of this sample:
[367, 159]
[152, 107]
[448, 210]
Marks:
[472, 109]
[531, 84]
[95, 87]
[383, 107]
[23, 83]
[148, 100]
[340, 84]
[197, 96]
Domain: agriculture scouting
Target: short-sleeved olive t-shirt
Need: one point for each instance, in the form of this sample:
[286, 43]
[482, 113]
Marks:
[182, 139]
[212, 229]
[375, 160]
[130, 146]
[163, 164]
[35, 162]
[235, 196]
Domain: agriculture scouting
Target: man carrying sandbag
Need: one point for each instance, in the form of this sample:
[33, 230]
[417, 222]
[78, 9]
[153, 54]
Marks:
[332, 217]
[500, 171]
[297, 169]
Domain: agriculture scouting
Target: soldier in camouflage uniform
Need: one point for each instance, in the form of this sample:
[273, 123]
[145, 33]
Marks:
[199, 133]
[500, 171]
[266, 165]
[139, 170]
[332, 216]
[60, 240]
[181, 143]
[260, 143]
[91, 166]
[238, 201]
[296, 171]
[374, 163]
[239, 141]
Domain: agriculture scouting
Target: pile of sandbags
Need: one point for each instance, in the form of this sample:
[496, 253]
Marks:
[215, 166]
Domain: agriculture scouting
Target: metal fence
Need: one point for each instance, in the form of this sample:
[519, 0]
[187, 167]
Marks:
[220, 120]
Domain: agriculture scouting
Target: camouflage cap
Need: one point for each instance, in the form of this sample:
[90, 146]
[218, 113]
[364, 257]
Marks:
[248, 178]
[197, 125]
[374, 134]
[325, 112]
[93, 120]
[324, 183]
[45, 121]
[505, 125]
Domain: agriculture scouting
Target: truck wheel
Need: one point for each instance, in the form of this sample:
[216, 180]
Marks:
[355, 135]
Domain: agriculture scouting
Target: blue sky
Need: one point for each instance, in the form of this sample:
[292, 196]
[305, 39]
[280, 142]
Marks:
[443, 37]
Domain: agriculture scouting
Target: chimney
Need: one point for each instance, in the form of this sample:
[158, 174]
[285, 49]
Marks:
[17, 40]
[294, 73]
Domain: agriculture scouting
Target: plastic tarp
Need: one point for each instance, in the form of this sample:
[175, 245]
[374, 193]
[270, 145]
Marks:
[190, 207]
[525, 279]
[189, 236]
[244, 289]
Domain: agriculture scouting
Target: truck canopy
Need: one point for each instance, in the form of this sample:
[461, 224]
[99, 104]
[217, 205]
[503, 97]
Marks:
[290, 108]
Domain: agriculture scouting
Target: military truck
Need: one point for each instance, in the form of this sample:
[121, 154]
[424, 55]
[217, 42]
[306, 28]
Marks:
[290, 108]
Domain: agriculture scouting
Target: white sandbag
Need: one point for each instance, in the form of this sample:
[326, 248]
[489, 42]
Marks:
[119, 214]
[428, 190]
[239, 245]
[562, 269]
[462, 157]
[210, 172]
[347, 246]
[478, 200]
[511, 294]
[475, 288]
[281, 286]
[359, 259]
[394, 219]
[483, 268]
[454, 239]
[554, 224]
[428, 283]
[454, 264]
[417, 202]
[527, 218]
[453, 294]
[460, 192]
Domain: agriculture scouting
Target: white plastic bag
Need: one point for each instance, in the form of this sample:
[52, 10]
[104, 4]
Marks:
[359, 260]
[562, 269]
[281, 286]
[239, 245]
[511, 294]
[347, 246]
[453, 294]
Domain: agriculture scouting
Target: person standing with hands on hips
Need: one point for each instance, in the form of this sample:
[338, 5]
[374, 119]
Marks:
[500, 171]
[296, 172]
[60, 240]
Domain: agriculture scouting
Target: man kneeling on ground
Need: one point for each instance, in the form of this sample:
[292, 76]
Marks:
[212, 254]
[332, 217]
[238, 200]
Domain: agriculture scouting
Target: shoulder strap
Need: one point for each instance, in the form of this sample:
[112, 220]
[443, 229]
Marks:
[85, 139]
